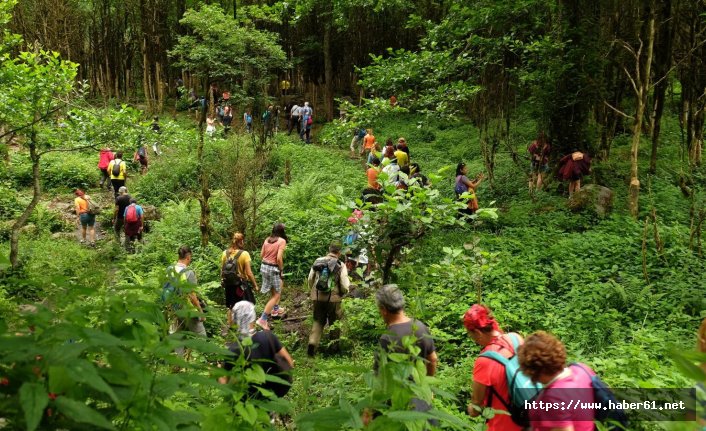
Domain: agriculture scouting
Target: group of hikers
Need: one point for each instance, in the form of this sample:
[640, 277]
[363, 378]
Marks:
[508, 365]
[572, 167]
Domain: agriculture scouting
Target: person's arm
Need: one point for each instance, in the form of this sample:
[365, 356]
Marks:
[477, 399]
[250, 275]
[77, 208]
[310, 279]
[344, 281]
[280, 259]
[432, 360]
[287, 357]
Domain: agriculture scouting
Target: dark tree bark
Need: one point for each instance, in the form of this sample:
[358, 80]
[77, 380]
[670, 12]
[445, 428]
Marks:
[662, 64]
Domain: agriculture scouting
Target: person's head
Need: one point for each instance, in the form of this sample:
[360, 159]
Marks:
[335, 248]
[156, 118]
[542, 357]
[278, 231]
[390, 301]
[461, 169]
[480, 324]
[184, 253]
[238, 241]
[133, 201]
[389, 143]
[541, 137]
[269, 107]
[306, 103]
[122, 190]
[375, 161]
[244, 317]
[377, 146]
[119, 155]
[227, 109]
[80, 193]
[401, 142]
[369, 131]
[389, 152]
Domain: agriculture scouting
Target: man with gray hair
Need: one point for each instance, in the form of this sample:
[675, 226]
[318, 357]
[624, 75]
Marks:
[328, 281]
[391, 306]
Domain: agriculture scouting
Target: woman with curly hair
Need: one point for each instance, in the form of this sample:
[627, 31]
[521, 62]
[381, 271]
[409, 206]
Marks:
[490, 388]
[543, 359]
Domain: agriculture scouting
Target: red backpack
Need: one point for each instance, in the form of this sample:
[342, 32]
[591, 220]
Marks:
[131, 214]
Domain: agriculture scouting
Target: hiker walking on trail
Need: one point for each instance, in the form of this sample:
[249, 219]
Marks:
[267, 121]
[237, 278]
[390, 302]
[328, 281]
[539, 165]
[156, 131]
[247, 120]
[498, 351]
[86, 211]
[121, 203]
[141, 156]
[182, 280]
[264, 348]
[294, 119]
[272, 270]
[105, 157]
[227, 119]
[402, 153]
[134, 224]
[573, 167]
[463, 185]
[210, 126]
[118, 172]
[305, 117]
[368, 144]
[543, 358]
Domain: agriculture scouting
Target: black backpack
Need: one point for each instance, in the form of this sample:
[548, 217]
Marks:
[229, 274]
[327, 270]
[116, 168]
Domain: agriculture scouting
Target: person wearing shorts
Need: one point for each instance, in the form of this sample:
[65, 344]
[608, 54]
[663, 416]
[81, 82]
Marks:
[272, 254]
[86, 220]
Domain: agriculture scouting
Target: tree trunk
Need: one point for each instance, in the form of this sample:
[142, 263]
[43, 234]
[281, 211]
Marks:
[663, 62]
[328, 66]
[36, 193]
[642, 83]
[205, 220]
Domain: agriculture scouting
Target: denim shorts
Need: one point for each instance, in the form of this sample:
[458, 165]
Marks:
[87, 219]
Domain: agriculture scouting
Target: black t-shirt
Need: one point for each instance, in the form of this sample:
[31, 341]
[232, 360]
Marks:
[392, 340]
[122, 202]
[265, 345]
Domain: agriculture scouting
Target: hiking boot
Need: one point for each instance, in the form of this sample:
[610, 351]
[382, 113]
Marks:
[311, 350]
[262, 324]
[278, 313]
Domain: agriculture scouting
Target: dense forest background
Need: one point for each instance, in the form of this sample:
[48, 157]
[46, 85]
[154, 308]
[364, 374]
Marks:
[83, 341]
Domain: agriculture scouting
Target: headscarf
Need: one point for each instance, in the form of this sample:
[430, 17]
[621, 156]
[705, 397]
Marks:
[243, 316]
[479, 317]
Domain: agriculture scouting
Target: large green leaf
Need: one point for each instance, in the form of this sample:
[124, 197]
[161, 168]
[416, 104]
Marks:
[34, 399]
[80, 412]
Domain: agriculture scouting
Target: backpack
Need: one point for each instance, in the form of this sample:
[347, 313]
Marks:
[116, 168]
[326, 270]
[169, 298]
[229, 274]
[248, 119]
[93, 208]
[520, 386]
[309, 121]
[131, 214]
[460, 187]
[141, 151]
[615, 419]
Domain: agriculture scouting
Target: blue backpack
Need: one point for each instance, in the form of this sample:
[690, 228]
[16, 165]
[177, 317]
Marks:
[520, 386]
[615, 419]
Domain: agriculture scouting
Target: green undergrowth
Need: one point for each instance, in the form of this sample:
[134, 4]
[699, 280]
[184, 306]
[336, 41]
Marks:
[618, 305]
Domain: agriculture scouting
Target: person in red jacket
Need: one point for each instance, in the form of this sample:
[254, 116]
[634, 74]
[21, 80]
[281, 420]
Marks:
[105, 157]
[573, 167]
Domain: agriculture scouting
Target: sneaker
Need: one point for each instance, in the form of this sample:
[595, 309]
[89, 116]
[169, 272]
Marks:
[278, 313]
[263, 324]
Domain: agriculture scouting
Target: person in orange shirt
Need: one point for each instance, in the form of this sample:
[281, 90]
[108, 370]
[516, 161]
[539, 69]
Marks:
[86, 220]
[368, 144]
[373, 173]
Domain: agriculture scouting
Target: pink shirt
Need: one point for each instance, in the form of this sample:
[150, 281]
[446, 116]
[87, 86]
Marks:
[568, 392]
[271, 249]
[105, 158]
